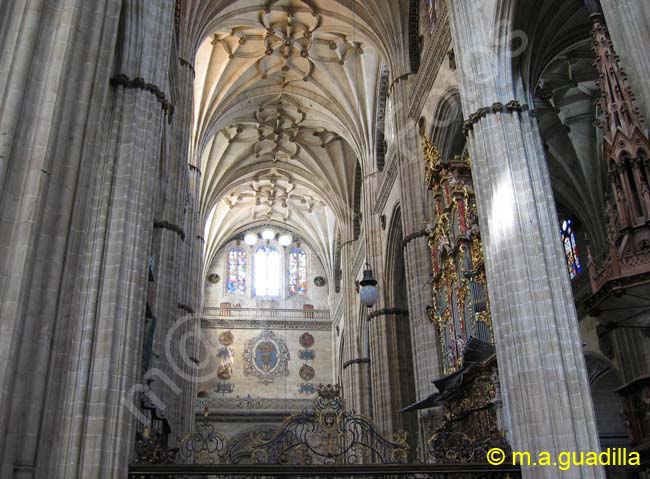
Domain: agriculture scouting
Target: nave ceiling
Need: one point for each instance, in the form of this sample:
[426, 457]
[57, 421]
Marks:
[284, 109]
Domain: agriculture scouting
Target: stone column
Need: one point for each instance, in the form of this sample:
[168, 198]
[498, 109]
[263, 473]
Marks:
[357, 389]
[102, 388]
[539, 350]
[417, 255]
[174, 236]
[53, 100]
[192, 276]
[628, 22]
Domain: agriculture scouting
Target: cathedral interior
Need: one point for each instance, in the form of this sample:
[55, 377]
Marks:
[324, 238]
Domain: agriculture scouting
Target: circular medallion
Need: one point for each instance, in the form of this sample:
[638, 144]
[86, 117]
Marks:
[306, 340]
[306, 372]
[213, 278]
[226, 338]
[319, 281]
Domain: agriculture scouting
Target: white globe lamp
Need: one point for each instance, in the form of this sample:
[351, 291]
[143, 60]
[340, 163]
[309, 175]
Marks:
[250, 239]
[368, 292]
[268, 234]
[285, 240]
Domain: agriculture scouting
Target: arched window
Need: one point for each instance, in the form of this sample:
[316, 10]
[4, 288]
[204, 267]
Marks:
[297, 272]
[431, 9]
[570, 249]
[236, 271]
[267, 271]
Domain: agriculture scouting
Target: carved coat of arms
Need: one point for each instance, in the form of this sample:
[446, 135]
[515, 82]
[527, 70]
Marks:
[266, 357]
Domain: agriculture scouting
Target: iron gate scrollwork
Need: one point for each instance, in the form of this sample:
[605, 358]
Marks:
[204, 446]
[328, 435]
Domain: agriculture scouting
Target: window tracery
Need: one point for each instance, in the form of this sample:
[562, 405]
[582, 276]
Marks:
[236, 271]
[297, 272]
[570, 249]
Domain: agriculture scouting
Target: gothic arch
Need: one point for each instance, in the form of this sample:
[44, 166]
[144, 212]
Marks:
[395, 271]
[546, 48]
[396, 298]
[447, 124]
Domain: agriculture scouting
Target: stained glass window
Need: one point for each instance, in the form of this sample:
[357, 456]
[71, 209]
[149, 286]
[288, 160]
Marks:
[236, 271]
[267, 271]
[570, 249]
[431, 4]
[297, 272]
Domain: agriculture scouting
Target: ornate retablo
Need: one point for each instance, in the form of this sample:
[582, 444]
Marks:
[460, 306]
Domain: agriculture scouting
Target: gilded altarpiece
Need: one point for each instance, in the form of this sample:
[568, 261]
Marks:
[460, 307]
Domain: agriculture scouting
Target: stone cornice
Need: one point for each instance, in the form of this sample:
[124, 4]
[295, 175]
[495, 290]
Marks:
[434, 55]
[388, 312]
[513, 106]
[349, 363]
[185, 307]
[247, 404]
[408, 238]
[185, 63]
[166, 225]
[139, 83]
[211, 323]
[386, 187]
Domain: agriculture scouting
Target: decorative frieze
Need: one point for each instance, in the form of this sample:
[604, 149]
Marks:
[140, 84]
[388, 312]
[432, 60]
[247, 404]
[280, 324]
[166, 225]
[512, 106]
[386, 187]
[185, 63]
[186, 307]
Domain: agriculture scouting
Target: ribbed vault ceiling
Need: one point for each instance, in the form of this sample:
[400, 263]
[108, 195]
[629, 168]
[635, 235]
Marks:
[284, 107]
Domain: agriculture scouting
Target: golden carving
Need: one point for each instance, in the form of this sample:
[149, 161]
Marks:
[477, 252]
[454, 240]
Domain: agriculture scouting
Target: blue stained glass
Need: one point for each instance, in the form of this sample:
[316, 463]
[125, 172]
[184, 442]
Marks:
[297, 272]
[570, 249]
[236, 271]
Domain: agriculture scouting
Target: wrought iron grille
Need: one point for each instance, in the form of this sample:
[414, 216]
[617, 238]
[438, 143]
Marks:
[328, 471]
[327, 441]
[328, 435]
